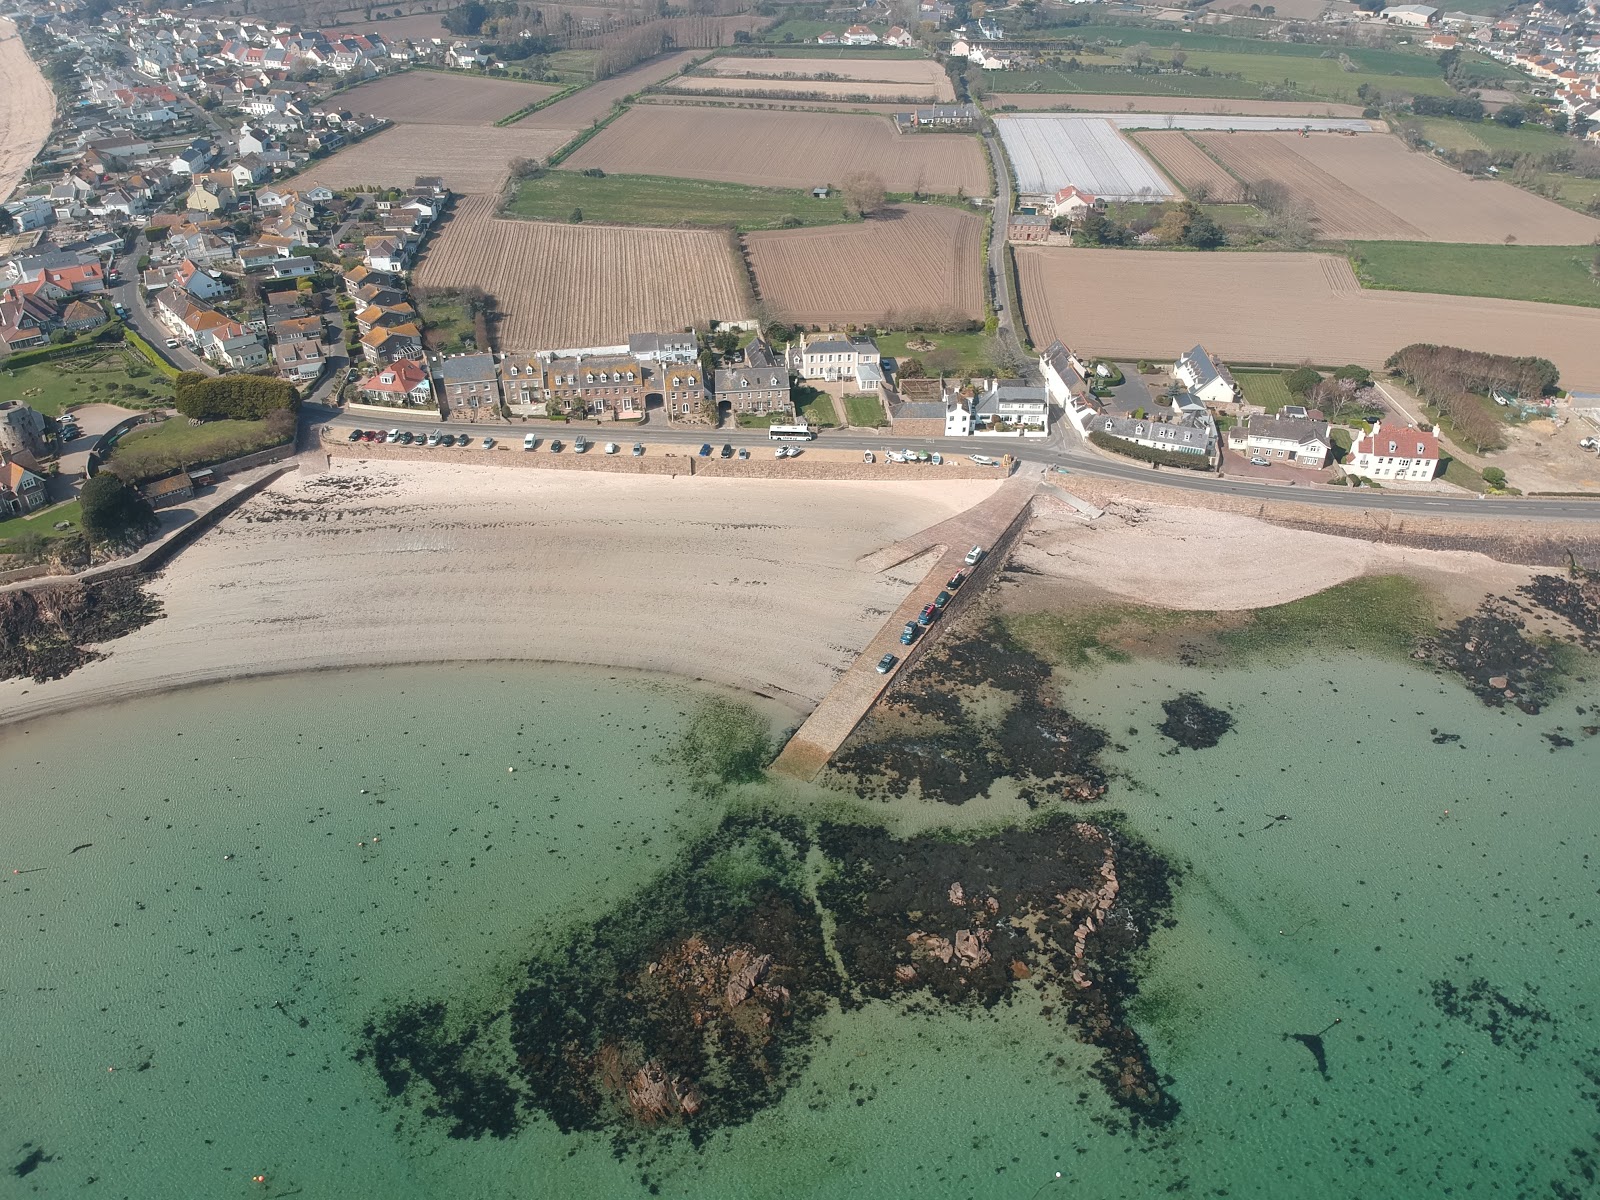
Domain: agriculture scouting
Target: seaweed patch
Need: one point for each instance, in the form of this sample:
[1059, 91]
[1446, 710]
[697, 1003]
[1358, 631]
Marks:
[1480, 1005]
[1194, 724]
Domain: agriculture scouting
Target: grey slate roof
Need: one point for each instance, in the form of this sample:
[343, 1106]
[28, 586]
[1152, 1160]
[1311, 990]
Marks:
[468, 368]
[1294, 429]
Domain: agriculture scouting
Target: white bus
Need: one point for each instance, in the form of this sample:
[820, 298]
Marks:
[790, 433]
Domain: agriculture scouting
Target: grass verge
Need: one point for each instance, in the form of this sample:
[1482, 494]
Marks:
[1265, 388]
[865, 411]
[152, 451]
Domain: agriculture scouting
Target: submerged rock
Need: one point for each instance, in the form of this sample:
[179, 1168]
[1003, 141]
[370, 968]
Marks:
[1194, 724]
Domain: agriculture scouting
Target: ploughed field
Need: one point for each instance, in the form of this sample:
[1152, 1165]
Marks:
[1189, 165]
[561, 285]
[433, 98]
[888, 79]
[805, 89]
[782, 149]
[583, 108]
[470, 159]
[1371, 188]
[907, 266]
[1282, 308]
[1084, 102]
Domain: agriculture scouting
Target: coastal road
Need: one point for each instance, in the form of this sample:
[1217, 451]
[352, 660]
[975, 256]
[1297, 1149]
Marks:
[1053, 453]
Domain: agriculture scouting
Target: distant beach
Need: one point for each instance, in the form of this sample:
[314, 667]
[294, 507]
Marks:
[27, 107]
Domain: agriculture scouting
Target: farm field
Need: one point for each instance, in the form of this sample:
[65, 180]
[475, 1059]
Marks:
[1278, 308]
[706, 100]
[434, 98]
[807, 89]
[657, 200]
[564, 285]
[1048, 153]
[1374, 189]
[874, 70]
[469, 159]
[898, 268]
[782, 149]
[584, 108]
[1189, 166]
[1547, 274]
[1088, 102]
[1492, 137]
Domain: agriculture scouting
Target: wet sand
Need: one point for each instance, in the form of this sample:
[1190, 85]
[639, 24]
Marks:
[27, 107]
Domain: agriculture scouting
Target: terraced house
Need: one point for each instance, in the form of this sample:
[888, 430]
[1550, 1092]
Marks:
[597, 385]
[760, 385]
[471, 386]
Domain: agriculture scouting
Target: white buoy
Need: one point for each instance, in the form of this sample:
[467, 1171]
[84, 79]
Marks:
[511, 770]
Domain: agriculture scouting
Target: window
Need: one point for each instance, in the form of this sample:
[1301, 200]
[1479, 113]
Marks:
[1421, 449]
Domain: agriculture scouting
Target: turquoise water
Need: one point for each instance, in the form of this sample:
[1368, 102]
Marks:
[240, 985]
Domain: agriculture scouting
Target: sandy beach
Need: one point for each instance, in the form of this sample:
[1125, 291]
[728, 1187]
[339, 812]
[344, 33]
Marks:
[755, 585]
[27, 107]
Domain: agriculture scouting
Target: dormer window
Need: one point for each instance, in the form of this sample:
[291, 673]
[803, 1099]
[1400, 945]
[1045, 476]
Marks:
[1421, 449]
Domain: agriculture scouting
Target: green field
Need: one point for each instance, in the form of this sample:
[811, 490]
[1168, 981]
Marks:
[106, 376]
[572, 66]
[953, 353]
[153, 451]
[1493, 137]
[865, 412]
[1549, 274]
[1282, 67]
[659, 200]
[446, 326]
[1265, 388]
[804, 50]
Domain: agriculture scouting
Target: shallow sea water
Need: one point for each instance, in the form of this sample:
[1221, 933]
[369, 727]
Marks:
[229, 993]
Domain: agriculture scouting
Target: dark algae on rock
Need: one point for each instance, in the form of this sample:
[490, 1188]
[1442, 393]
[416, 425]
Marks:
[1192, 723]
[691, 1006]
[44, 631]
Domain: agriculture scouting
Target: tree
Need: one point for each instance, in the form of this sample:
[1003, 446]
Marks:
[1005, 359]
[1203, 233]
[1510, 116]
[576, 218]
[114, 513]
[1301, 380]
[1269, 195]
[863, 193]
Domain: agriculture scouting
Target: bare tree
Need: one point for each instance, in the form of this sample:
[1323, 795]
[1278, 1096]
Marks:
[1269, 195]
[863, 192]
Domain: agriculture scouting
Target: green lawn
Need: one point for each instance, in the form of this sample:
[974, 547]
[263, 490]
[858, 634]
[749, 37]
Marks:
[953, 353]
[42, 522]
[1551, 274]
[865, 411]
[1464, 475]
[1265, 388]
[102, 376]
[572, 66]
[759, 420]
[815, 408]
[156, 450]
[1493, 137]
[659, 200]
[446, 326]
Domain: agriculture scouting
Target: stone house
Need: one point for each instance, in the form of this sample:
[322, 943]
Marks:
[594, 385]
[21, 491]
[470, 384]
[23, 430]
[1300, 441]
[760, 385]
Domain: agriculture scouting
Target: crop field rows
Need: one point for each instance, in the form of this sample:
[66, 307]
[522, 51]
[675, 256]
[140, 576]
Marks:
[782, 149]
[875, 70]
[898, 268]
[1280, 308]
[434, 98]
[1049, 153]
[471, 159]
[1371, 188]
[559, 286]
[1190, 166]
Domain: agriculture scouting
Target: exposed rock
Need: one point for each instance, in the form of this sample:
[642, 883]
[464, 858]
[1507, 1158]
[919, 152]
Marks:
[747, 975]
[957, 896]
[971, 948]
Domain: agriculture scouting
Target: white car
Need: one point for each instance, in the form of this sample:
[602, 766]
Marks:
[172, 343]
[433, 439]
[530, 441]
[974, 556]
[611, 447]
[638, 449]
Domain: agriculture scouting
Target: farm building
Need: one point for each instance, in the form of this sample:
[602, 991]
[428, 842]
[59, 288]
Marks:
[1419, 15]
[939, 116]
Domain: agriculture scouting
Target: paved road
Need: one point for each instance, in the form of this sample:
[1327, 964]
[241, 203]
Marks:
[130, 295]
[1059, 451]
[997, 248]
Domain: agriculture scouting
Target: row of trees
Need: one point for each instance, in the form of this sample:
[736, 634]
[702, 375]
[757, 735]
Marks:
[233, 397]
[1457, 383]
[1178, 224]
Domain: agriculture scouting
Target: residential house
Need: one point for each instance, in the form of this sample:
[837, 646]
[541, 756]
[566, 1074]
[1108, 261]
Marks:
[1179, 433]
[254, 258]
[388, 252]
[238, 351]
[1072, 204]
[388, 316]
[1009, 406]
[26, 318]
[858, 35]
[939, 116]
[23, 430]
[585, 385]
[81, 315]
[827, 38]
[291, 268]
[297, 329]
[664, 347]
[384, 345]
[1400, 452]
[1297, 440]
[202, 285]
[467, 58]
[1027, 227]
[1066, 376]
[684, 393]
[1205, 378]
[836, 359]
[760, 385]
[21, 491]
[358, 277]
[298, 361]
[470, 385]
[897, 36]
[193, 159]
[405, 381]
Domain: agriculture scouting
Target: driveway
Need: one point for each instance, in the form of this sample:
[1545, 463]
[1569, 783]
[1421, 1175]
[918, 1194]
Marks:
[93, 420]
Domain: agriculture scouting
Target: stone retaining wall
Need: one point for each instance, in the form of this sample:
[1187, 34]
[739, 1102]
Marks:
[656, 463]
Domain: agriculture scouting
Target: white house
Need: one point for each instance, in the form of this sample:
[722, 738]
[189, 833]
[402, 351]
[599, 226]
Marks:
[1012, 408]
[859, 35]
[838, 359]
[1401, 452]
[1073, 203]
[1205, 378]
[1296, 440]
[467, 57]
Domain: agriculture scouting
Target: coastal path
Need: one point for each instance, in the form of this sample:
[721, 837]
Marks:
[992, 524]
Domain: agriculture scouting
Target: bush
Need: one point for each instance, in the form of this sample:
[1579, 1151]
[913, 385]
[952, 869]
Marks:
[235, 397]
[113, 512]
[1163, 458]
[1351, 371]
[1495, 478]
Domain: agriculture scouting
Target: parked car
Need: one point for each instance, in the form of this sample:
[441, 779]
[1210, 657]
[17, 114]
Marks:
[942, 599]
[611, 447]
[530, 442]
[868, 456]
[705, 450]
[638, 449]
[955, 581]
[909, 633]
[172, 343]
[886, 664]
[744, 454]
[580, 444]
[405, 438]
[435, 439]
[356, 435]
[119, 310]
[727, 450]
[1259, 462]
[555, 446]
[974, 556]
[488, 443]
[394, 436]
[927, 616]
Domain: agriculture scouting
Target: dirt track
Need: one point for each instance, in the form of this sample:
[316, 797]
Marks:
[1277, 308]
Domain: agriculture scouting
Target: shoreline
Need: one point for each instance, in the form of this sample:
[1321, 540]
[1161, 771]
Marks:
[27, 109]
